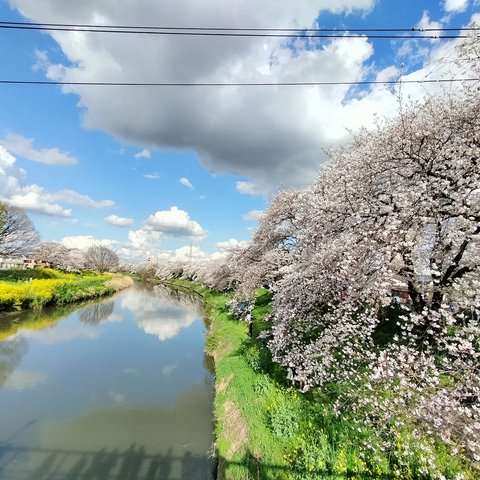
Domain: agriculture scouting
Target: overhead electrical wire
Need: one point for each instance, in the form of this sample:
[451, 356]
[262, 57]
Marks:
[386, 33]
[235, 29]
[233, 84]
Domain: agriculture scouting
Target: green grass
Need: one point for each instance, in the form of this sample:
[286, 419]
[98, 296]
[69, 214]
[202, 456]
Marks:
[265, 429]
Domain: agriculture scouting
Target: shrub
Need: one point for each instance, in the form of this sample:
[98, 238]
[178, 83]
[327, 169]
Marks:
[10, 296]
[284, 418]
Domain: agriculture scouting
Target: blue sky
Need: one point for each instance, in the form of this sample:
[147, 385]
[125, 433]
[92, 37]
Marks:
[149, 171]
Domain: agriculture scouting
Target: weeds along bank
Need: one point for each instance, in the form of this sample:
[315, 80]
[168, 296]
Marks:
[265, 428]
[24, 289]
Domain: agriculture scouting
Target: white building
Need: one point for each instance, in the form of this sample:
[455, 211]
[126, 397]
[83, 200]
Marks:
[16, 263]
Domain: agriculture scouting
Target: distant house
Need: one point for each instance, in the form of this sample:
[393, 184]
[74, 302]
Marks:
[12, 263]
[20, 263]
[40, 264]
[29, 263]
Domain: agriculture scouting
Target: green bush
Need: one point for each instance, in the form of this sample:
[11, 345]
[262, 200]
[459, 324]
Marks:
[285, 417]
[262, 385]
[252, 357]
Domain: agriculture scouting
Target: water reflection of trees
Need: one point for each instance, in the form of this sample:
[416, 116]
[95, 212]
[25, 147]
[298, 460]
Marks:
[36, 319]
[181, 298]
[12, 348]
[93, 314]
[11, 353]
[132, 464]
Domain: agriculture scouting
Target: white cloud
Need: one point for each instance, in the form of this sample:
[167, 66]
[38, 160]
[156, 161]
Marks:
[30, 197]
[253, 215]
[174, 222]
[426, 23]
[23, 147]
[190, 252]
[119, 221]
[248, 188]
[141, 244]
[167, 370]
[145, 153]
[84, 242]
[274, 136]
[230, 245]
[70, 196]
[456, 6]
[34, 198]
[152, 176]
[62, 333]
[242, 131]
[144, 239]
[186, 182]
[117, 397]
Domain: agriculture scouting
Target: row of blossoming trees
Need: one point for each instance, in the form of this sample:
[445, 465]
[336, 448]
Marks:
[400, 204]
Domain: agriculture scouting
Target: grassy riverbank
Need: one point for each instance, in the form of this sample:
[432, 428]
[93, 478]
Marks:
[25, 289]
[266, 429]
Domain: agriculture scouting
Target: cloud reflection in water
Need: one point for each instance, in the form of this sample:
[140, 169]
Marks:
[21, 380]
[157, 317]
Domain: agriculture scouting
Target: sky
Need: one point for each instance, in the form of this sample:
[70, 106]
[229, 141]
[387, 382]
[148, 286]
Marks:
[182, 172]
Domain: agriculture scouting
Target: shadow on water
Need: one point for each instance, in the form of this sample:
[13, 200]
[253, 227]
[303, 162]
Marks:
[22, 463]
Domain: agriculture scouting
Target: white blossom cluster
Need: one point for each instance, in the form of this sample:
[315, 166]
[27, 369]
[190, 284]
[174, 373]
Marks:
[216, 274]
[59, 256]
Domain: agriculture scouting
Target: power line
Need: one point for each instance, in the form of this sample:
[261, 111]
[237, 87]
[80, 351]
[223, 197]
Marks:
[240, 32]
[245, 29]
[233, 84]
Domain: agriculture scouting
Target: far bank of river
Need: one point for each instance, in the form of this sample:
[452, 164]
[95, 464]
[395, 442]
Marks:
[37, 288]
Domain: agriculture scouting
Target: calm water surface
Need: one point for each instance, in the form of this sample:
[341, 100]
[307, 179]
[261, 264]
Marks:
[117, 390]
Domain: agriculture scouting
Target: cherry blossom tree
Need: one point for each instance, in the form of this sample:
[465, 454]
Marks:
[397, 207]
[262, 262]
[55, 254]
[402, 201]
[76, 259]
[59, 256]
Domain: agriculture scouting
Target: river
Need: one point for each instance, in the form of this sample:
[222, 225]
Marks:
[116, 390]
